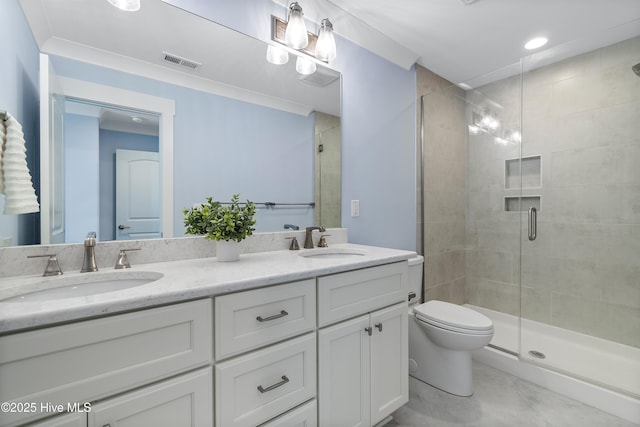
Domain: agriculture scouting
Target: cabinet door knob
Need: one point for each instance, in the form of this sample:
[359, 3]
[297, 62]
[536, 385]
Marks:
[369, 330]
[379, 326]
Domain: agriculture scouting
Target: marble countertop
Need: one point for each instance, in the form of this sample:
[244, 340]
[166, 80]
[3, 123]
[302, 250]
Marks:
[181, 281]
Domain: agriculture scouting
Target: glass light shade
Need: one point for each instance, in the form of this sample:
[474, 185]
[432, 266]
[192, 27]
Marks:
[127, 5]
[305, 66]
[277, 55]
[326, 44]
[296, 33]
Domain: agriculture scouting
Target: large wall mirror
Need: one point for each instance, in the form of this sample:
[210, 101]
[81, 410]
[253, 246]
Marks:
[240, 124]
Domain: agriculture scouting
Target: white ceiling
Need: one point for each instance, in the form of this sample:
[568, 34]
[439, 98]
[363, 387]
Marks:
[463, 40]
[466, 41]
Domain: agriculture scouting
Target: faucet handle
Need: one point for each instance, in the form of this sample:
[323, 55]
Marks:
[322, 243]
[52, 268]
[294, 244]
[123, 260]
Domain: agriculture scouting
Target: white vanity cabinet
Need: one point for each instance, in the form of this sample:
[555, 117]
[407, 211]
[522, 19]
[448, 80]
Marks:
[94, 359]
[75, 419]
[256, 387]
[362, 362]
[328, 350]
[184, 401]
[251, 319]
[276, 368]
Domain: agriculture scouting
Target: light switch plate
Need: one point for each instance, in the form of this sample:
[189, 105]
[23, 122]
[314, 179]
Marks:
[355, 208]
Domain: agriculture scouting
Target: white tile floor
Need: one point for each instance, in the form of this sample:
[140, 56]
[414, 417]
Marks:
[499, 399]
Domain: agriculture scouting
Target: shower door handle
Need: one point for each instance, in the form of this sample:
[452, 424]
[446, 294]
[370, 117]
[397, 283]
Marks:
[533, 223]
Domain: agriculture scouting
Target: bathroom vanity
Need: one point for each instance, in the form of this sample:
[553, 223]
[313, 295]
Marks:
[276, 339]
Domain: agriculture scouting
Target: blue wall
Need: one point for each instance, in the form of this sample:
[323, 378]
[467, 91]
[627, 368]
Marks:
[19, 97]
[81, 139]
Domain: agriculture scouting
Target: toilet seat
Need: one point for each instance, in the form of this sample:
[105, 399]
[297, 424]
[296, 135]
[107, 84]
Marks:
[453, 317]
[449, 328]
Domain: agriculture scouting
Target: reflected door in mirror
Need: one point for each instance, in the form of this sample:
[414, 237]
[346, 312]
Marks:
[137, 195]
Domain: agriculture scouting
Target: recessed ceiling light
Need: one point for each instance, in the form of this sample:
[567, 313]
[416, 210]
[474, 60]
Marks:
[136, 119]
[536, 43]
[128, 5]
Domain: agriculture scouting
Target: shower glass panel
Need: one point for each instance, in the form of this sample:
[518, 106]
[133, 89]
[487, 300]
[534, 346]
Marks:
[328, 167]
[580, 294]
[470, 144]
[494, 206]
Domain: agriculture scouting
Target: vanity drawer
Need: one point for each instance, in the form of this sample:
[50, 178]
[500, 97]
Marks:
[345, 295]
[256, 387]
[251, 319]
[89, 360]
[303, 416]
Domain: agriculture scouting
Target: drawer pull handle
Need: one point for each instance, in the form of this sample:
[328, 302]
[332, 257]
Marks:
[276, 385]
[369, 330]
[379, 326]
[274, 317]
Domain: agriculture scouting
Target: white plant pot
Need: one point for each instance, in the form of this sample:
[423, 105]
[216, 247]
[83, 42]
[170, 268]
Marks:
[227, 251]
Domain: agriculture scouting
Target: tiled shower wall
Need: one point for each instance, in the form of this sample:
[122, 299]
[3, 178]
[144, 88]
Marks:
[582, 117]
[443, 212]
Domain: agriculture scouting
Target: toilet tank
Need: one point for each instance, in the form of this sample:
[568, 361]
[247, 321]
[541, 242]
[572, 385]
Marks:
[415, 278]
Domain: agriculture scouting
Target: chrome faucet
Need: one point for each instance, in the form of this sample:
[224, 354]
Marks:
[308, 239]
[89, 260]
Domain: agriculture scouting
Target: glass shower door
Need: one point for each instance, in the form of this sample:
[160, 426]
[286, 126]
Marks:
[493, 211]
[580, 168]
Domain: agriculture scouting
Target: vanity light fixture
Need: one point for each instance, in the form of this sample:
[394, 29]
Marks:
[326, 45]
[296, 33]
[305, 66]
[126, 5]
[277, 55]
[321, 46]
[535, 43]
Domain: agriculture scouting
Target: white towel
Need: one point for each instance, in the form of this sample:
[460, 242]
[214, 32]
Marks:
[3, 140]
[20, 196]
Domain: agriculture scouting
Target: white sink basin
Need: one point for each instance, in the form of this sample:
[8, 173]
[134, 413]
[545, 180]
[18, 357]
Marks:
[332, 253]
[82, 285]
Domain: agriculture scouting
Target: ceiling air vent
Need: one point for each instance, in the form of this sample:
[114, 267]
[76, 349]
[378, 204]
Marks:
[321, 78]
[178, 60]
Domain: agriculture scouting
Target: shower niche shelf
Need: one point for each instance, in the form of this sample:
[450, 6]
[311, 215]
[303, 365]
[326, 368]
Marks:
[514, 204]
[531, 177]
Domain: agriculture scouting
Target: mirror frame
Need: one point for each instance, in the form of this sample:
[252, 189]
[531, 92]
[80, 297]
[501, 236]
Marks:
[163, 107]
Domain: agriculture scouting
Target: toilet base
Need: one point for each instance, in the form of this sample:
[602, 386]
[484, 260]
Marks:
[448, 370]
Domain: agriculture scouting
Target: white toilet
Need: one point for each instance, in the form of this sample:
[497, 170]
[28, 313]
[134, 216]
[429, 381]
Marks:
[441, 338]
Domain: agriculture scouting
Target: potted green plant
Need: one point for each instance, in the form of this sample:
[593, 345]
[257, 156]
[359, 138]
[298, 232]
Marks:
[227, 224]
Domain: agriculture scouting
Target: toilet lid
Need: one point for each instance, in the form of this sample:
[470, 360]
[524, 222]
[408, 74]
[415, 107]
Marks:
[453, 315]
